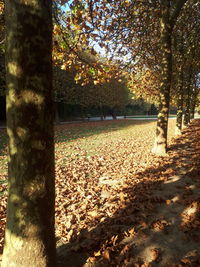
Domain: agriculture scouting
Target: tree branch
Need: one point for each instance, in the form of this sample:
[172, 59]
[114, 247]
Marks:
[177, 9]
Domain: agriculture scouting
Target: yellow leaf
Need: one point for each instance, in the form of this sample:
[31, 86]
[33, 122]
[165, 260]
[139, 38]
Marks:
[98, 253]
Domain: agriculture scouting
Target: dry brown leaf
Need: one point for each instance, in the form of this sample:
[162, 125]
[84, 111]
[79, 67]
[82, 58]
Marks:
[93, 213]
[106, 254]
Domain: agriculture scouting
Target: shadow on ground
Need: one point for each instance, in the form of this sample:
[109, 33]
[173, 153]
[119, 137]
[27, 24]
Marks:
[158, 220]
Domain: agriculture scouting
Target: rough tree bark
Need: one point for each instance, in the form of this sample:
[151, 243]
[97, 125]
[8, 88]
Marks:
[186, 119]
[57, 118]
[179, 116]
[193, 102]
[192, 110]
[167, 23]
[29, 237]
[160, 145]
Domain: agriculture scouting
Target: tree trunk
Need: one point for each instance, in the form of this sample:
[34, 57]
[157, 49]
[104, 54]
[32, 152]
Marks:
[113, 113]
[57, 118]
[101, 112]
[29, 237]
[192, 111]
[193, 104]
[179, 116]
[160, 145]
[187, 111]
[104, 112]
[186, 120]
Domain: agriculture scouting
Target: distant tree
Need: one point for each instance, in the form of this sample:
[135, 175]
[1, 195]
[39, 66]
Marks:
[185, 49]
[113, 93]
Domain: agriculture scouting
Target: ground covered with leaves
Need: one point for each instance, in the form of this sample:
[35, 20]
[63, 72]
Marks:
[119, 205]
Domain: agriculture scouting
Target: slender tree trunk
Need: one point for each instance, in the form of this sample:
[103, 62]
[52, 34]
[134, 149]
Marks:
[179, 116]
[29, 237]
[101, 112]
[187, 111]
[114, 116]
[186, 120]
[57, 118]
[193, 104]
[192, 111]
[82, 113]
[104, 112]
[160, 145]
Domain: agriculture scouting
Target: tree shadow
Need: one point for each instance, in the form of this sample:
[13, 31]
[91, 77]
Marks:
[157, 221]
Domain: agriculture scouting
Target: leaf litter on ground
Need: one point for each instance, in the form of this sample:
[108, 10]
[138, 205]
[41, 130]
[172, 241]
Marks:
[105, 182]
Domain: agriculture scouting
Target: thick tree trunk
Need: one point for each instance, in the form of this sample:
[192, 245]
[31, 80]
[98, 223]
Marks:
[160, 145]
[29, 237]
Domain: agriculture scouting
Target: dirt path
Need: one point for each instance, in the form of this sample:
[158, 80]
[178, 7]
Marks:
[171, 235]
[159, 223]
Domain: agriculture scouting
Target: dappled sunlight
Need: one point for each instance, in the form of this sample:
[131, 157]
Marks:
[14, 69]
[175, 199]
[13, 147]
[172, 179]
[191, 210]
[16, 242]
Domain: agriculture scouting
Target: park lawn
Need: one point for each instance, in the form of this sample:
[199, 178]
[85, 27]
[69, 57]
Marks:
[88, 156]
[86, 139]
